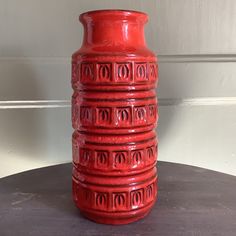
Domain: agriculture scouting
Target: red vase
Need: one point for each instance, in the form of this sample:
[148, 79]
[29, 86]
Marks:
[114, 115]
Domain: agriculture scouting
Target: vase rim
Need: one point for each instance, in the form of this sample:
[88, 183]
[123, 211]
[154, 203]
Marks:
[141, 16]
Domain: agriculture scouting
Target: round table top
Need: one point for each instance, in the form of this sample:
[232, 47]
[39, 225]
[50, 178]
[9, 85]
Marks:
[192, 201]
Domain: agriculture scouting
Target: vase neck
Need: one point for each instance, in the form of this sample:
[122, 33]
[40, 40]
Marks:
[113, 28]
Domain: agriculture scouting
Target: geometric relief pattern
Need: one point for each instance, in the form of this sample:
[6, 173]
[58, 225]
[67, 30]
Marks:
[141, 71]
[152, 111]
[86, 115]
[140, 114]
[103, 115]
[104, 72]
[75, 152]
[124, 115]
[83, 195]
[115, 160]
[87, 195]
[153, 71]
[116, 116]
[137, 158]
[75, 111]
[150, 153]
[119, 201]
[120, 159]
[74, 72]
[137, 198]
[149, 191]
[96, 162]
[101, 200]
[85, 156]
[102, 159]
[116, 201]
[87, 72]
[124, 72]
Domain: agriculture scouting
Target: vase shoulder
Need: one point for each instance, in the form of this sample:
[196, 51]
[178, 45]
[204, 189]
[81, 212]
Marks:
[135, 55]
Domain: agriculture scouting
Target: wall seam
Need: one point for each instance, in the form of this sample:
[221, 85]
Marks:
[175, 58]
[206, 101]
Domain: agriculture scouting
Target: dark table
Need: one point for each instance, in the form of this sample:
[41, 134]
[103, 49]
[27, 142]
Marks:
[192, 201]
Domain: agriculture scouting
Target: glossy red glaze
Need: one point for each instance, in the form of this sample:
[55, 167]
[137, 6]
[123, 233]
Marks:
[114, 114]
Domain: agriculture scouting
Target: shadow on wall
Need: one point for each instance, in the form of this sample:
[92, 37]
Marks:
[29, 136]
[166, 112]
[20, 128]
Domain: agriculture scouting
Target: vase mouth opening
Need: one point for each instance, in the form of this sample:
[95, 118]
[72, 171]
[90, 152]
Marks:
[114, 14]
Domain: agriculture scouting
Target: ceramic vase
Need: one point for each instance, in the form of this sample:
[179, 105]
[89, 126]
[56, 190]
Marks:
[114, 116]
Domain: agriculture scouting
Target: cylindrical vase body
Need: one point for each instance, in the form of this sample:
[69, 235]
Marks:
[114, 116]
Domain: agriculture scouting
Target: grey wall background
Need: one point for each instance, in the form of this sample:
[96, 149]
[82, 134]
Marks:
[195, 41]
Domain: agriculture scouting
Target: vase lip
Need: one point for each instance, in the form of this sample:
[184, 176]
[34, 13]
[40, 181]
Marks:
[114, 14]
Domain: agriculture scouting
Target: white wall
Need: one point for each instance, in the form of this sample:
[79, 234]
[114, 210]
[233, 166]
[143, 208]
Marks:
[195, 41]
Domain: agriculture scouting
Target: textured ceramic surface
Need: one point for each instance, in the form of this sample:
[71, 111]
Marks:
[114, 115]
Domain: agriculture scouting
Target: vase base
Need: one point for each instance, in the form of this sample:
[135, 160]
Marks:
[117, 218]
[109, 221]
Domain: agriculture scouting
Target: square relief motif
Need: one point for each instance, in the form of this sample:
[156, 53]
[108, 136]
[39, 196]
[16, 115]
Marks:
[104, 72]
[102, 159]
[141, 72]
[123, 72]
[123, 116]
[87, 72]
[140, 114]
[103, 115]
